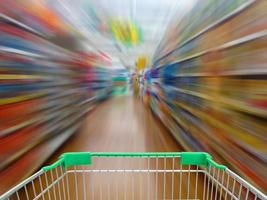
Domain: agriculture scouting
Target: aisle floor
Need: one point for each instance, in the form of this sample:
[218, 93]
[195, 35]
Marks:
[122, 123]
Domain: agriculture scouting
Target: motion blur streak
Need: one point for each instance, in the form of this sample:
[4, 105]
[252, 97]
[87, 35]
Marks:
[199, 66]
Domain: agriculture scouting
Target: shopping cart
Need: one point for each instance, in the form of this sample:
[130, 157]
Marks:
[108, 176]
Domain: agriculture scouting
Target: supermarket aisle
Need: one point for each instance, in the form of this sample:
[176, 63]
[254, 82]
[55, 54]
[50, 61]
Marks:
[122, 123]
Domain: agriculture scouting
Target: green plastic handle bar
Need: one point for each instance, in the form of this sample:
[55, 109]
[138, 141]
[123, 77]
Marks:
[54, 165]
[213, 163]
[85, 158]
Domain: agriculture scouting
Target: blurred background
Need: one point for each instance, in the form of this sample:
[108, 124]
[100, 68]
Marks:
[133, 75]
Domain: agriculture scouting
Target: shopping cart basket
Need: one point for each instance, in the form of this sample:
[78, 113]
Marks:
[108, 176]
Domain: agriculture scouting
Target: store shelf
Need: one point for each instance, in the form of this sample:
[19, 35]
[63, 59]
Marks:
[19, 24]
[209, 27]
[45, 95]
[226, 102]
[23, 167]
[243, 72]
[209, 86]
[231, 44]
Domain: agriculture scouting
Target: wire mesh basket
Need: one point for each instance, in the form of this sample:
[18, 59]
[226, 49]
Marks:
[134, 176]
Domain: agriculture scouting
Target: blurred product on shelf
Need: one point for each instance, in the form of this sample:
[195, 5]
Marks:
[208, 84]
[120, 77]
[39, 15]
[120, 81]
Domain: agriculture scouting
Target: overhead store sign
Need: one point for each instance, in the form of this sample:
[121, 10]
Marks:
[127, 33]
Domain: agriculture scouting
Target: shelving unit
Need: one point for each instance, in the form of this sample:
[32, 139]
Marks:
[209, 86]
[46, 91]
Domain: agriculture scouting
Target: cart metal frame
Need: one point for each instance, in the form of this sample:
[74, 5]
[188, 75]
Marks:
[134, 175]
